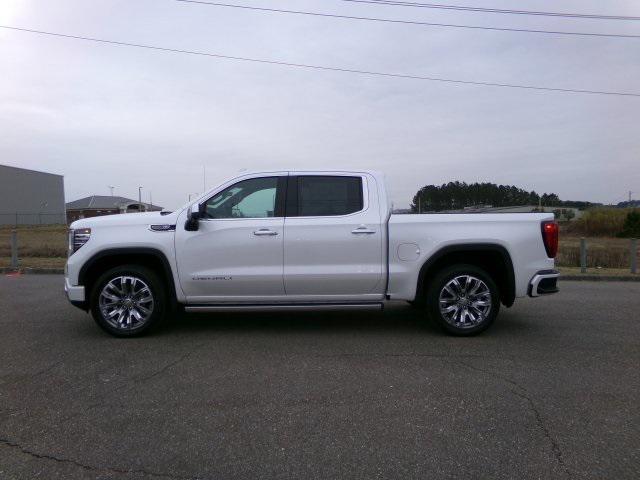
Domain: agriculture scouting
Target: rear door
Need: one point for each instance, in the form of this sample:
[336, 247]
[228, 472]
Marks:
[333, 243]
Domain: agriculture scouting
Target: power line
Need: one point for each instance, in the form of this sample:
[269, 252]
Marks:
[409, 22]
[322, 67]
[493, 10]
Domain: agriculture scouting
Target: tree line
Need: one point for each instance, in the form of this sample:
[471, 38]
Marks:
[458, 195]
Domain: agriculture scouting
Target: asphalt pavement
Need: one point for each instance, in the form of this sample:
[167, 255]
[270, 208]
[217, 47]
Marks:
[552, 390]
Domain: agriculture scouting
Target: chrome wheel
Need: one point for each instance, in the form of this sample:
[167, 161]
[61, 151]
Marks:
[126, 302]
[465, 301]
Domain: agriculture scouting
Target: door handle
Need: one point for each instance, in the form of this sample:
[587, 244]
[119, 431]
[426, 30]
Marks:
[362, 229]
[264, 232]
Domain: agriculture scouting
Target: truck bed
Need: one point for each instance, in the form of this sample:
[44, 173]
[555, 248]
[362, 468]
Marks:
[414, 238]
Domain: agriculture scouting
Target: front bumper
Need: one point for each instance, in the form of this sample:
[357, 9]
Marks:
[545, 282]
[75, 294]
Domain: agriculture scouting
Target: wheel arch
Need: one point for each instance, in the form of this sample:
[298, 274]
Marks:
[145, 256]
[491, 257]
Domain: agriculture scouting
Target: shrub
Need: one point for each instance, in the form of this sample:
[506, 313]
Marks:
[599, 222]
[631, 226]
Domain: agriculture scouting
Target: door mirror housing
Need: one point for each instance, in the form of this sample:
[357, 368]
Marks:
[193, 217]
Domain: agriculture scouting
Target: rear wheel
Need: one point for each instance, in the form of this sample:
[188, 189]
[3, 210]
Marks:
[463, 299]
[128, 300]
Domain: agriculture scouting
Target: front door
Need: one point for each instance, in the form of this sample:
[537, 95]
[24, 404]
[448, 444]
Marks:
[236, 255]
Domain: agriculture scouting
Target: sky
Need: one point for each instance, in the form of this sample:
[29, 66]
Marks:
[106, 115]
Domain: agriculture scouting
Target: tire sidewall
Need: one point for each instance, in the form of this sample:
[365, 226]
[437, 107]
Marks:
[442, 278]
[157, 290]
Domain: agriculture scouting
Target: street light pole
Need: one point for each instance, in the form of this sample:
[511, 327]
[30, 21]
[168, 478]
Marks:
[139, 199]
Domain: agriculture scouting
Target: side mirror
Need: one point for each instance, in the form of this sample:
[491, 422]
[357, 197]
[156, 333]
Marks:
[193, 216]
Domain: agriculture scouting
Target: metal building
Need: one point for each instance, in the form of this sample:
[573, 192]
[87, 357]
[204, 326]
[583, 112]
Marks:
[29, 197]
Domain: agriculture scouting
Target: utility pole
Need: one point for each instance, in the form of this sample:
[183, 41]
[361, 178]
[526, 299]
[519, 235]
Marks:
[111, 187]
[150, 199]
[139, 199]
[630, 192]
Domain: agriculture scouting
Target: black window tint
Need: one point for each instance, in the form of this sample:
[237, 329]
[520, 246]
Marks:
[322, 196]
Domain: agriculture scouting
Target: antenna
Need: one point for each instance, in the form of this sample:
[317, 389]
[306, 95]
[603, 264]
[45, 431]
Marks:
[111, 187]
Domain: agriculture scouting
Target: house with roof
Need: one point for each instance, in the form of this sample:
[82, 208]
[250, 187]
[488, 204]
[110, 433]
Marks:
[98, 205]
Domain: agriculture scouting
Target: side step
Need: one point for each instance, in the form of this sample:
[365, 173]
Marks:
[300, 307]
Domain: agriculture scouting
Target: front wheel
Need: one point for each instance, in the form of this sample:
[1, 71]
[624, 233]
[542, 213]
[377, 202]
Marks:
[127, 301]
[463, 299]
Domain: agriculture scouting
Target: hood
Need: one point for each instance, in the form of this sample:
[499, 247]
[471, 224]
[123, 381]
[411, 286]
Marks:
[146, 218]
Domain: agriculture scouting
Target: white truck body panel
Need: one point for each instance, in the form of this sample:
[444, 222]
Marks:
[365, 256]
[225, 262]
[518, 233]
[326, 260]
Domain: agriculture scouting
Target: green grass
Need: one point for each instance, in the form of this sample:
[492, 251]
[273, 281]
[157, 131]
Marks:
[601, 252]
[36, 241]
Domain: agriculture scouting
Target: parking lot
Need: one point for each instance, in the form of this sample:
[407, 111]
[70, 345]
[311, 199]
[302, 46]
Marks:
[551, 391]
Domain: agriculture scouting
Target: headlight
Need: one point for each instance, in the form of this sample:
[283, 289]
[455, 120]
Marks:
[77, 238]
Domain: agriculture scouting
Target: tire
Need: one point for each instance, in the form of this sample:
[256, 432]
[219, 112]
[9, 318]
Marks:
[128, 301]
[458, 288]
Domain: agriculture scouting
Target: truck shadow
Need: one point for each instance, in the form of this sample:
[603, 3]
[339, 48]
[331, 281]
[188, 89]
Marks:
[395, 318]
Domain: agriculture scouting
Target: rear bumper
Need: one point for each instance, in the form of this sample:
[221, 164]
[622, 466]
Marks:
[545, 282]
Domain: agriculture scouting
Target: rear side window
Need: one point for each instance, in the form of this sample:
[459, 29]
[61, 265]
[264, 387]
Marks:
[326, 195]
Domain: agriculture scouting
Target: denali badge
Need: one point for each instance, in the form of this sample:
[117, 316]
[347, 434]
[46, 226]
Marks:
[207, 277]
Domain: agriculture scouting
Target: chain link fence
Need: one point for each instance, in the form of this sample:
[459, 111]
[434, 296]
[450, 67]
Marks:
[33, 218]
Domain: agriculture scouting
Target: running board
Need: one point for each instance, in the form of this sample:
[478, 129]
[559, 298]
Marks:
[283, 307]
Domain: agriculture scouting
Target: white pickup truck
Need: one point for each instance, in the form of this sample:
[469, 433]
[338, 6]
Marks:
[315, 240]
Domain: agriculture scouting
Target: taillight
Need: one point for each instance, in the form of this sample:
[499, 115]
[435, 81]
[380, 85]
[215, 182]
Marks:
[550, 238]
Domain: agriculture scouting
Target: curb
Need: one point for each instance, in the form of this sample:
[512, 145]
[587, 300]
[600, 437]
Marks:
[600, 278]
[32, 270]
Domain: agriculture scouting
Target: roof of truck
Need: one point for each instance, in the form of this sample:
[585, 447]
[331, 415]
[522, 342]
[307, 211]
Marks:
[308, 171]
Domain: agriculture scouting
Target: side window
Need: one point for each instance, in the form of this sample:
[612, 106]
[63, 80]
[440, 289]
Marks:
[253, 198]
[324, 195]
